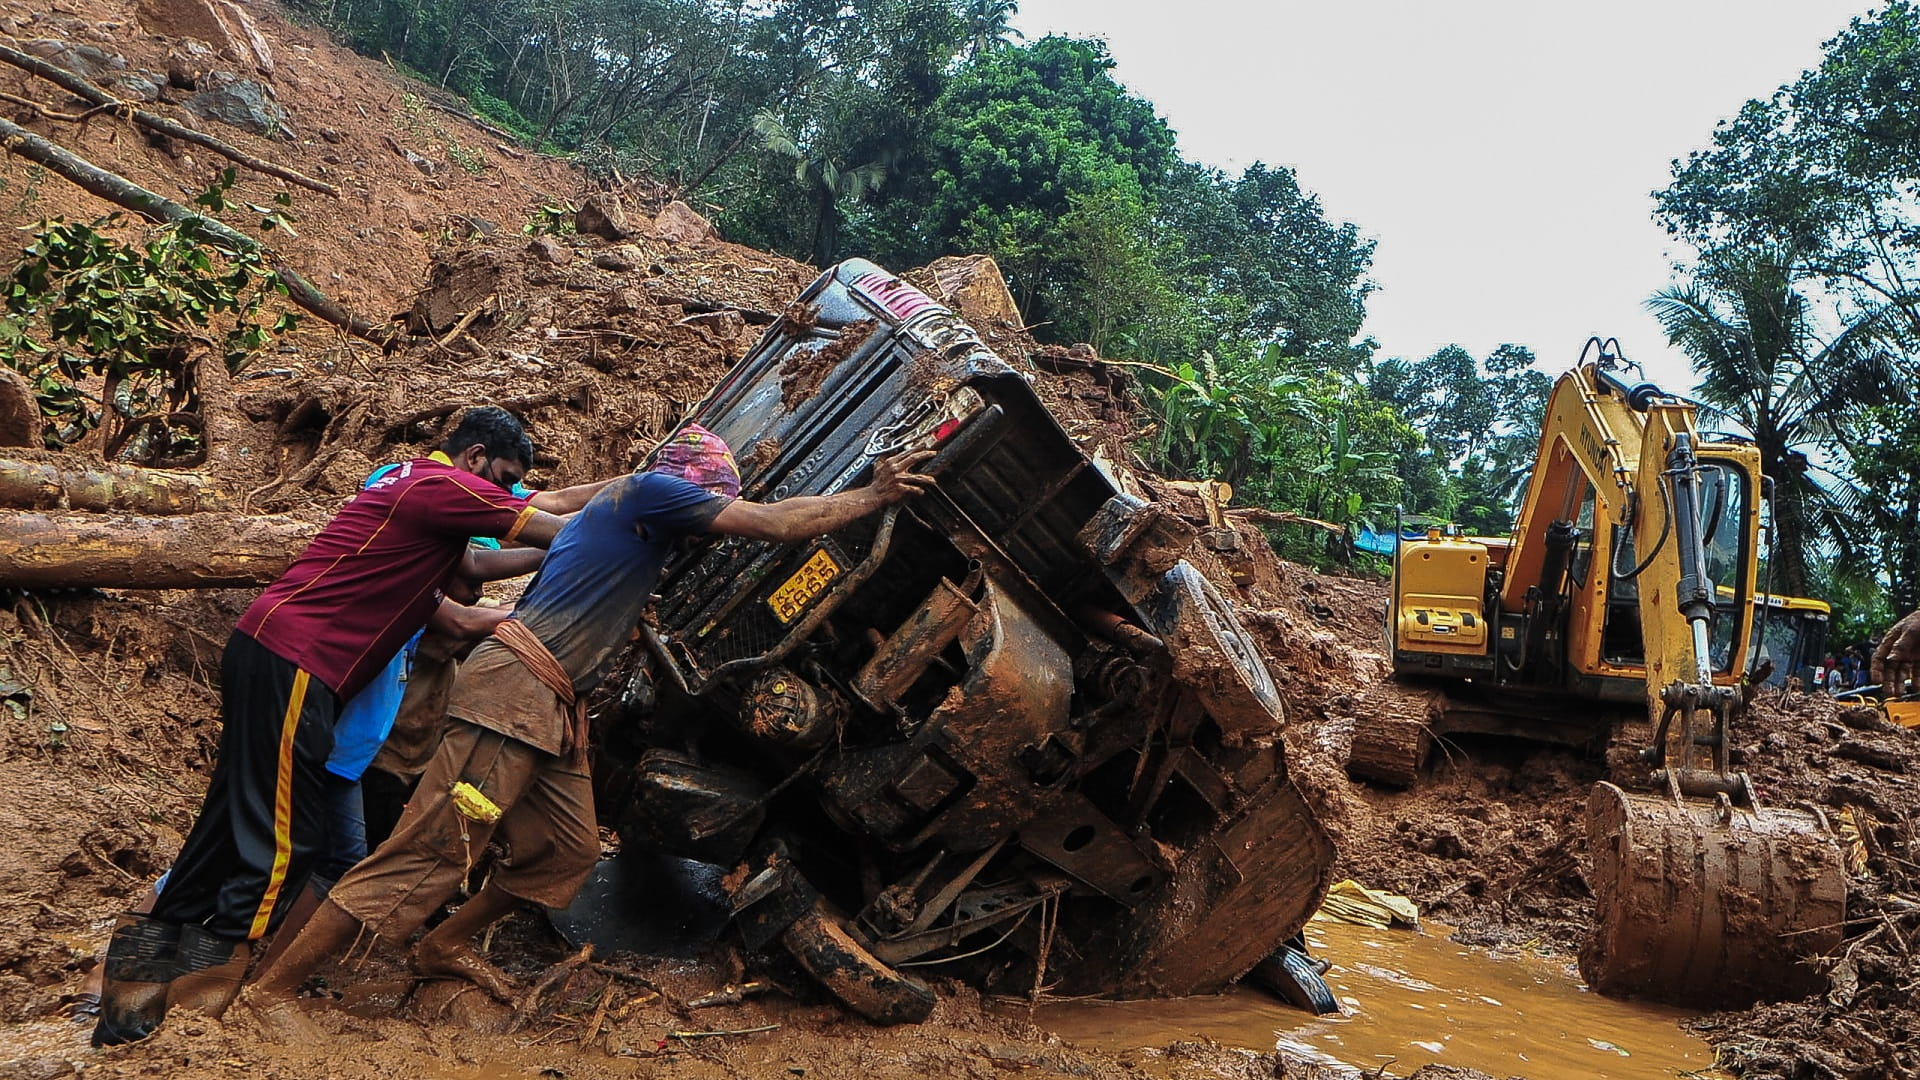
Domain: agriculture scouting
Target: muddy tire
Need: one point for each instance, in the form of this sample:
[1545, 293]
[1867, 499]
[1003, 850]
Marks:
[1389, 750]
[1295, 978]
[830, 953]
[1213, 654]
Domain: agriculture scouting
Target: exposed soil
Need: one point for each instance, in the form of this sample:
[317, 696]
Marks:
[109, 716]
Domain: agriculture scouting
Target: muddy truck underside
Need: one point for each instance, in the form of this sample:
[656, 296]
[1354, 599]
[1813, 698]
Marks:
[1004, 727]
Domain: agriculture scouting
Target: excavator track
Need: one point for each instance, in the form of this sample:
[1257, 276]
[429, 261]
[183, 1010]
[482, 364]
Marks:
[1393, 733]
[1709, 905]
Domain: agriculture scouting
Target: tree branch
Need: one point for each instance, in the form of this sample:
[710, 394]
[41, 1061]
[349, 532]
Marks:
[80, 87]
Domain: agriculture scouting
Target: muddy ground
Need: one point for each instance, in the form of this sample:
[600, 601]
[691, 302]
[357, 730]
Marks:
[108, 719]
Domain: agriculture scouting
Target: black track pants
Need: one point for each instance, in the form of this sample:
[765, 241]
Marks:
[264, 820]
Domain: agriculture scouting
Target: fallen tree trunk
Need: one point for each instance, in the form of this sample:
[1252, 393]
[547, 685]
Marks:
[112, 551]
[100, 99]
[69, 482]
[155, 207]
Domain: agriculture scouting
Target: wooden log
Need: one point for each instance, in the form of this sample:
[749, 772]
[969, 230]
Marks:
[50, 481]
[114, 551]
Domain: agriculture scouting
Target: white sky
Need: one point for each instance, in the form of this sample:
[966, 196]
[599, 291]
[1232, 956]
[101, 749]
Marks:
[1501, 152]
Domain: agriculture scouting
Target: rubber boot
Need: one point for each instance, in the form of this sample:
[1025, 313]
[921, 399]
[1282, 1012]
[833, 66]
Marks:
[304, 905]
[134, 976]
[207, 971]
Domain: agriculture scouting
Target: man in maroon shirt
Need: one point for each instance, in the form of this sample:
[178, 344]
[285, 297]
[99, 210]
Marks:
[312, 639]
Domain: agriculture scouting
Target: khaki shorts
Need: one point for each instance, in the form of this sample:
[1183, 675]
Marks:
[546, 827]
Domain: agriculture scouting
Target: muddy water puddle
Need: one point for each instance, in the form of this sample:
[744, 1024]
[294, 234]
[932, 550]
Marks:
[1414, 998]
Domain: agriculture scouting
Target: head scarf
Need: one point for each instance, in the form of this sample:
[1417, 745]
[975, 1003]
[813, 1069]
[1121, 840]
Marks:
[698, 455]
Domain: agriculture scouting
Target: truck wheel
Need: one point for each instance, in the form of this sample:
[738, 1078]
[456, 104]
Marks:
[831, 954]
[1213, 653]
[1295, 978]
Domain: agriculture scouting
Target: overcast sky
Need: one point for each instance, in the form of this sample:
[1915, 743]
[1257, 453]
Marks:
[1501, 152]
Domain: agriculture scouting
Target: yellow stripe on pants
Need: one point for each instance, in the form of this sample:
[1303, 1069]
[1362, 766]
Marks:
[282, 807]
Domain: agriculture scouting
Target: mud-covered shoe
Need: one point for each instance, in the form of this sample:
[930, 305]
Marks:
[207, 970]
[139, 966]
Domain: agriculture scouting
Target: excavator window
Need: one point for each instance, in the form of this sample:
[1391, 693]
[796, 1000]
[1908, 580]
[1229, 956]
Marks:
[1582, 558]
[1723, 509]
[1723, 494]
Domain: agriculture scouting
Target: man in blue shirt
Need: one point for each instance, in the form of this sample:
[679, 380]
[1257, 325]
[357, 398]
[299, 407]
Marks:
[516, 717]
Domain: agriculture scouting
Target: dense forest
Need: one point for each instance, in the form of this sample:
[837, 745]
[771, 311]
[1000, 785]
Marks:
[903, 130]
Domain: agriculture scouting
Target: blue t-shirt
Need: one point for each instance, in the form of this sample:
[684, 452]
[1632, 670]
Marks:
[367, 718]
[600, 571]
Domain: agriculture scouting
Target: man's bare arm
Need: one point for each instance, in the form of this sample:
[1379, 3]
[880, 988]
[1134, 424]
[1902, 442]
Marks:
[487, 564]
[805, 516]
[464, 623]
[567, 500]
[540, 529]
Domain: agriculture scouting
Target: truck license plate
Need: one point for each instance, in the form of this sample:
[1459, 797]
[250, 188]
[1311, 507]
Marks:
[794, 594]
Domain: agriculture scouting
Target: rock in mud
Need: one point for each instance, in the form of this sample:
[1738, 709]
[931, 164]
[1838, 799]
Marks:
[40, 1067]
[219, 23]
[973, 286]
[548, 250]
[603, 216]
[244, 103]
[19, 415]
[679, 224]
[621, 258]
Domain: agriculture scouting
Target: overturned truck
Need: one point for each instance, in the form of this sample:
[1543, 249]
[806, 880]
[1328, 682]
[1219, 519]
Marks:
[1004, 727]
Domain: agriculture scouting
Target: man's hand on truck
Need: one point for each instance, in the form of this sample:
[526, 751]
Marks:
[803, 517]
[1897, 660]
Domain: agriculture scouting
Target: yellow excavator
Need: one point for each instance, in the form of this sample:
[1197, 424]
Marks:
[1629, 581]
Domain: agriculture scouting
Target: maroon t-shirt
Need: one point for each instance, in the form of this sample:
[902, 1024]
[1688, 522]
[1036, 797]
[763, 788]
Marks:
[373, 575]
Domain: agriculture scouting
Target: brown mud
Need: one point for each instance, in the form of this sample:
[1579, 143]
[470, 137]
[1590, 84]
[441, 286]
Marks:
[109, 713]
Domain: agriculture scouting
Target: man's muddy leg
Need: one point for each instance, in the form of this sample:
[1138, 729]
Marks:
[448, 949]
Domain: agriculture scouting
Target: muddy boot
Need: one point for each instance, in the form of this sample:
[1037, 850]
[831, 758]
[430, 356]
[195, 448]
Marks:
[304, 906]
[133, 991]
[208, 971]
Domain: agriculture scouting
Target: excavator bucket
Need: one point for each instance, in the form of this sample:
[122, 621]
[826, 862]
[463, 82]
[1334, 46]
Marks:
[1707, 905]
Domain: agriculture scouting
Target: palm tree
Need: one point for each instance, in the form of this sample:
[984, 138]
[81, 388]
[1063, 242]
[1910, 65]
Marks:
[1764, 365]
[824, 179]
[989, 26]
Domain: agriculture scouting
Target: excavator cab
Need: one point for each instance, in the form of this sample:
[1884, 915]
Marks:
[1789, 638]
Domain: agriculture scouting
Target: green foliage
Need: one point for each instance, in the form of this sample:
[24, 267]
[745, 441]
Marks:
[1121, 299]
[551, 219]
[84, 309]
[1296, 439]
[1265, 266]
[499, 113]
[1480, 427]
[1863, 607]
[1799, 311]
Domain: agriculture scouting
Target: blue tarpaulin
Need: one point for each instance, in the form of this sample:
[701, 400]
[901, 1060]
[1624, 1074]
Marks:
[1382, 543]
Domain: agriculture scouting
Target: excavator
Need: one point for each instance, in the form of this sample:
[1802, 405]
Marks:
[1629, 585]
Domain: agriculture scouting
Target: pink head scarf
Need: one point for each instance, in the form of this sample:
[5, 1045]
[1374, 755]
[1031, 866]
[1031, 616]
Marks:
[701, 457]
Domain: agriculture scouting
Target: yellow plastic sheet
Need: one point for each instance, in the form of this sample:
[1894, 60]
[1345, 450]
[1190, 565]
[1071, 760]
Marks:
[1351, 902]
